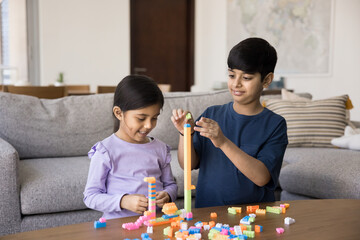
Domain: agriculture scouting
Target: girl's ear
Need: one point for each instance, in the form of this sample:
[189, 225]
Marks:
[117, 112]
[268, 79]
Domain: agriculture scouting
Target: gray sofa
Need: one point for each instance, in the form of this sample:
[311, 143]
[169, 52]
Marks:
[43, 162]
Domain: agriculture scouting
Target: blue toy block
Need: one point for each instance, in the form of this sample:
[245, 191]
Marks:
[144, 235]
[98, 224]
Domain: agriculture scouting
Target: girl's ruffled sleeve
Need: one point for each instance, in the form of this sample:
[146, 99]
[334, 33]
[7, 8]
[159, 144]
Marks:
[95, 194]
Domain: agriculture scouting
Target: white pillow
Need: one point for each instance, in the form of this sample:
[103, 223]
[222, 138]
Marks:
[350, 140]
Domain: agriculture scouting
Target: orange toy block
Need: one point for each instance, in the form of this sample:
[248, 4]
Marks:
[170, 233]
[213, 215]
[211, 224]
[252, 209]
[169, 208]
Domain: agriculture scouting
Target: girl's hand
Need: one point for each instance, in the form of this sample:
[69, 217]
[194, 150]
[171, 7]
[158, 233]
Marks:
[162, 197]
[134, 202]
[179, 119]
[210, 129]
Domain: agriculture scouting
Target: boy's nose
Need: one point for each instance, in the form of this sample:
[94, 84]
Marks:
[237, 82]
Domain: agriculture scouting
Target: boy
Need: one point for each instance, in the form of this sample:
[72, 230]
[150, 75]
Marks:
[239, 146]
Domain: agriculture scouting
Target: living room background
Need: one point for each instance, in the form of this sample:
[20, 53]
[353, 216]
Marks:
[88, 40]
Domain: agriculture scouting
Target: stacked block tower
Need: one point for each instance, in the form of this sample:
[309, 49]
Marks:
[151, 197]
[187, 169]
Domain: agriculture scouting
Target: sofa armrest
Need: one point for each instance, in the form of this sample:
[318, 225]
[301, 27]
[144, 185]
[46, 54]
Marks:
[9, 189]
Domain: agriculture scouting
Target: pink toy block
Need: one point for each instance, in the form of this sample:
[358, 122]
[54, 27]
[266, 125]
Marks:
[280, 230]
[102, 220]
[189, 216]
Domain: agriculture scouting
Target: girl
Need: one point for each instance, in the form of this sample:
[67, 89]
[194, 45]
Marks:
[119, 163]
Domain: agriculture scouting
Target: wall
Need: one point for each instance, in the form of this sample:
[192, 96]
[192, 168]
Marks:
[106, 63]
[17, 41]
[211, 38]
[88, 40]
[346, 60]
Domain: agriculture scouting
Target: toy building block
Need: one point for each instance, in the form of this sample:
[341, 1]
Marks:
[237, 230]
[213, 215]
[144, 235]
[218, 225]
[151, 195]
[232, 210]
[260, 211]
[189, 216]
[245, 227]
[250, 234]
[206, 227]
[102, 220]
[198, 224]
[273, 210]
[289, 220]
[169, 208]
[98, 224]
[258, 228]
[188, 116]
[211, 224]
[280, 230]
[238, 209]
[187, 168]
[149, 229]
[245, 220]
[252, 209]
[252, 215]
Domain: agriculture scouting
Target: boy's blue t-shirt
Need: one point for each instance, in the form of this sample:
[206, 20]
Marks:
[262, 136]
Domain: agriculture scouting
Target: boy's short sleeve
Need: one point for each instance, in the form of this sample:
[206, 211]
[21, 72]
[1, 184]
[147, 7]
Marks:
[273, 152]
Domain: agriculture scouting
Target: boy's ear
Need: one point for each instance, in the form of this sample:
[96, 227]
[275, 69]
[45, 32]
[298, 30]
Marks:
[117, 112]
[268, 79]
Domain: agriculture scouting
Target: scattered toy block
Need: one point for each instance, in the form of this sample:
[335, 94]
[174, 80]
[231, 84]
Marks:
[258, 228]
[213, 215]
[273, 210]
[231, 210]
[250, 234]
[149, 229]
[238, 209]
[98, 224]
[289, 221]
[280, 230]
[252, 209]
[260, 211]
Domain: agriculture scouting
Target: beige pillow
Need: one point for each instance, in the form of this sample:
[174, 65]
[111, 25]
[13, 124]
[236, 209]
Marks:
[312, 123]
[286, 95]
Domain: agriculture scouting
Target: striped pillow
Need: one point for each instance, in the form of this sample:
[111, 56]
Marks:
[314, 123]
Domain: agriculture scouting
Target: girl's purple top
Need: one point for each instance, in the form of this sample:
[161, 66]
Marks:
[118, 167]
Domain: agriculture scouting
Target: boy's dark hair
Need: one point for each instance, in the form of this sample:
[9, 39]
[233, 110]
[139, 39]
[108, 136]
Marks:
[253, 55]
[135, 92]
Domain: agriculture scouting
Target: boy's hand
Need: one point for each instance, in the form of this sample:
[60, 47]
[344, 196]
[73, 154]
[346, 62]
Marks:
[134, 202]
[210, 129]
[162, 197]
[179, 119]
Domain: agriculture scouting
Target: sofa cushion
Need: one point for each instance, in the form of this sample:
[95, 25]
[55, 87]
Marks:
[50, 185]
[55, 127]
[324, 173]
[195, 102]
[314, 123]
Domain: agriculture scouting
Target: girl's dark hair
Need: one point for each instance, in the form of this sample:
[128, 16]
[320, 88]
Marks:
[135, 92]
[253, 55]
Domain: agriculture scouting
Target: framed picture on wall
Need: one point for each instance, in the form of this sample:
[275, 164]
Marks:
[301, 32]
